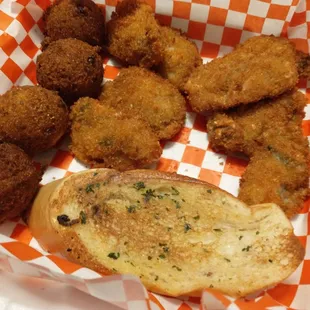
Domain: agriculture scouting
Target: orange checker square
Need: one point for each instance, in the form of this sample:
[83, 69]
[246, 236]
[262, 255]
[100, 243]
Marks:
[23, 2]
[235, 166]
[263, 303]
[29, 48]
[66, 266]
[277, 11]
[155, 301]
[164, 20]
[210, 50]
[26, 19]
[306, 127]
[62, 160]
[200, 123]
[284, 29]
[5, 20]
[167, 165]
[184, 306]
[68, 173]
[111, 72]
[284, 293]
[111, 2]
[181, 9]
[182, 136]
[300, 44]
[21, 233]
[21, 251]
[217, 16]
[207, 2]
[303, 241]
[7, 43]
[11, 70]
[306, 207]
[239, 6]
[212, 177]
[254, 23]
[231, 37]
[193, 155]
[196, 30]
[298, 19]
[305, 275]
[30, 72]
[43, 4]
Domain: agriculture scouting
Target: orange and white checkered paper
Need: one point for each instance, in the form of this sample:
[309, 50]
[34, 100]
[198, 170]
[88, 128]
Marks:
[216, 26]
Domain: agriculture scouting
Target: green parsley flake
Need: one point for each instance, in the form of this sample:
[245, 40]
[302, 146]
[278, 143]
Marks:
[114, 255]
[166, 249]
[228, 260]
[162, 256]
[187, 227]
[247, 248]
[209, 191]
[148, 195]
[175, 191]
[132, 209]
[270, 260]
[217, 229]
[177, 268]
[83, 217]
[197, 217]
[139, 185]
[89, 188]
[177, 204]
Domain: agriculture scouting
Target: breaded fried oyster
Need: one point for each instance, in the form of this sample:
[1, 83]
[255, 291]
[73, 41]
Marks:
[103, 137]
[79, 19]
[32, 117]
[71, 67]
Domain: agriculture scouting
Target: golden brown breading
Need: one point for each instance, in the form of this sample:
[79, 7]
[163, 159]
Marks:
[303, 64]
[180, 57]
[270, 133]
[139, 92]
[32, 117]
[103, 137]
[261, 67]
[80, 19]
[134, 35]
[19, 181]
[71, 67]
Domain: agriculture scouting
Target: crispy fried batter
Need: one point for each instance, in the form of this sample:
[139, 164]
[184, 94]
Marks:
[139, 92]
[180, 57]
[103, 137]
[32, 117]
[262, 67]
[134, 35]
[19, 181]
[79, 19]
[303, 64]
[71, 67]
[270, 133]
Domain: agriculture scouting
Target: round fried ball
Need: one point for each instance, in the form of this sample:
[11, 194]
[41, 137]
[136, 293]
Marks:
[19, 181]
[79, 19]
[32, 117]
[71, 67]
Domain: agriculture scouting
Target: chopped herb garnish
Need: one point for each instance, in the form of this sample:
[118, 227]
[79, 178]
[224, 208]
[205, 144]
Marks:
[148, 195]
[64, 220]
[177, 268]
[228, 260]
[114, 255]
[240, 237]
[114, 269]
[132, 209]
[175, 191]
[167, 209]
[166, 249]
[247, 248]
[156, 216]
[139, 185]
[95, 173]
[177, 204]
[270, 260]
[269, 147]
[162, 244]
[97, 185]
[126, 242]
[197, 217]
[211, 286]
[89, 188]
[69, 250]
[257, 232]
[209, 191]
[149, 257]
[187, 227]
[162, 256]
[83, 217]
[183, 199]
[169, 228]
[217, 229]
[160, 196]
[156, 278]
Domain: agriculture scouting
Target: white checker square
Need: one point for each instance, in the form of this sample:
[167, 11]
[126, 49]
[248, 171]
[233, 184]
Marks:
[301, 300]
[198, 139]
[272, 26]
[100, 2]
[137, 305]
[213, 34]
[34, 10]
[308, 16]
[307, 111]
[294, 278]
[21, 268]
[35, 244]
[230, 184]
[3, 57]
[7, 228]
[5, 84]
[77, 166]
[300, 224]
[164, 7]
[190, 119]
[214, 161]
[258, 8]
[235, 19]
[11, 8]
[36, 35]
[20, 58]
[109, 291]
[51, 174]
[173, 150]
[290, 13]
[86, 274]
[17, 31]
[224, 4]
[189, 170]
[180, 23]
[206, 60]
[307, 256]
[47, 263]
[108, 12]
[282, 2]
[23, 80]
[224, 50]
[233, 307]
[247, 35]
[301, 7]
[199, 12]
[298, 32]
[198, 43]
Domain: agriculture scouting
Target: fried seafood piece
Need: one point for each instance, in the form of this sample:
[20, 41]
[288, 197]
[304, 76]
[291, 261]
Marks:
[270, 133]
[262, 67]
[104, 137]
[180, 57]
[19, 181]
[33, 118]
[79, 19]
[71, 67]
[133, 34]
[139, 92]
[303, 64]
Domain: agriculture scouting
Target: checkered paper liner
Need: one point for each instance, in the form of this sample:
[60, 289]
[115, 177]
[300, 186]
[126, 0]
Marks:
[216, 26]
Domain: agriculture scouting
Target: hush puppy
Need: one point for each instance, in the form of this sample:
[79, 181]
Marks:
[139, 92]
[19, 181]
[79, 19]
[71, 67]
[104, 137]
[133, 34]
[32, 117]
